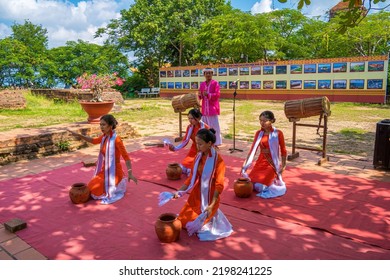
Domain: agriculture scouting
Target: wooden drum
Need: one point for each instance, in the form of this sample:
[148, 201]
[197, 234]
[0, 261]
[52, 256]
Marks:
[182, 102]
[308, 107]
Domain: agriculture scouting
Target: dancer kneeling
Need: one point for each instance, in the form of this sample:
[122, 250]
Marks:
[194, 117]
[108, 183]
[266, 175]
[201, 213]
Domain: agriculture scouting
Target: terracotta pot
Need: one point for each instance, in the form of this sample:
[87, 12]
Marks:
[243, 187]
[79, 193]
[168, 228]
[96, 110]
[173, 171]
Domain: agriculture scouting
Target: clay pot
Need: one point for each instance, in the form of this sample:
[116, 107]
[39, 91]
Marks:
[168, 228]
[96, 110]
[173, 171]
[243, 187]
[79, 193]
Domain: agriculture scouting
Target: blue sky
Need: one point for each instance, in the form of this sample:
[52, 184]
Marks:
[70, 20]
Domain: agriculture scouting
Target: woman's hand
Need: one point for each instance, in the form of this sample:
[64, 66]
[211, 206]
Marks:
[130, 176]
[175, 195]
[72, 132]
[283, 167]
[208, 210]
[284, 163]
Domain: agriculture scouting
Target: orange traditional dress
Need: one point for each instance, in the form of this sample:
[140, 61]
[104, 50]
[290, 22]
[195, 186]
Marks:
[207, 175]
[191, 132]
[265, 174]
[108, 183]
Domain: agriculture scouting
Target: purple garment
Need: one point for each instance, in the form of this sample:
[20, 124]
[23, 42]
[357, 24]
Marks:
[210, 103]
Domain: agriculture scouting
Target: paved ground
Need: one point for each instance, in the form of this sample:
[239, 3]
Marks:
[12, 247]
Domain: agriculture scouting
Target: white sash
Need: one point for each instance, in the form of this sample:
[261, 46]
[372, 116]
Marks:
[112, 192]
[207, 174]
[274, 149]
[188, 136]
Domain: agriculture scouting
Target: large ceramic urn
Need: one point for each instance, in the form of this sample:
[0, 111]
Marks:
[243, 187]
[168, 228]
[96, 110]
[173, 171]
[79, 193]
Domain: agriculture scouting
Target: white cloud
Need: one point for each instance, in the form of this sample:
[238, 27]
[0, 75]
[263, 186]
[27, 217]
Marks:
[264, 6]
[319, 8]
[5, 30]
[64, 21]
[316, 8]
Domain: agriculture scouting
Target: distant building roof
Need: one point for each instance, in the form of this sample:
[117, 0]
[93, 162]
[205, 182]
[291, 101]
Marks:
[342, 6]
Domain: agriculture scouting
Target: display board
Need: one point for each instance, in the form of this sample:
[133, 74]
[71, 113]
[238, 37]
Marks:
[355, 79]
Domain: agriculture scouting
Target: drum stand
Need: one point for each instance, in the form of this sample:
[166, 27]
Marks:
[178, 139]
[294, 154]
[234, 122]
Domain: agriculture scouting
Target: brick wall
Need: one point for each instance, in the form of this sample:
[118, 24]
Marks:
[24, 144]
[12, 99]
[77, 94]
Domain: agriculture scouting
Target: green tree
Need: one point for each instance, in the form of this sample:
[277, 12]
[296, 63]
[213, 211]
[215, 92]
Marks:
[33, 36]
[354, 15]
[309, 41]
[158, 32]
[34, 39]
[371, 36]
[13, 57]
[70, 61]
[288, 24]
[234, 37]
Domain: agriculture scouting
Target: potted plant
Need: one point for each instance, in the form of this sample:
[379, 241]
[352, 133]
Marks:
[97, 107]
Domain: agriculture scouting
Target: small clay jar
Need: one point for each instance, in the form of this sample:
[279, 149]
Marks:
[173, 171]
[243, 187]
[79, 193]
[168, 228]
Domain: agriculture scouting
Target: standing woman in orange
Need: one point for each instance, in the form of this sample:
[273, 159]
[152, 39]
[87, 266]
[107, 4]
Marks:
[207, 183]
[109, 183]
[194, 117]
[266, 175]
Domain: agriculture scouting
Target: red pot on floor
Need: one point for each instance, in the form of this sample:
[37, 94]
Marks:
[243, 187]
[96, 110]
[173, 171]
[168, 227]
[79, 193]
